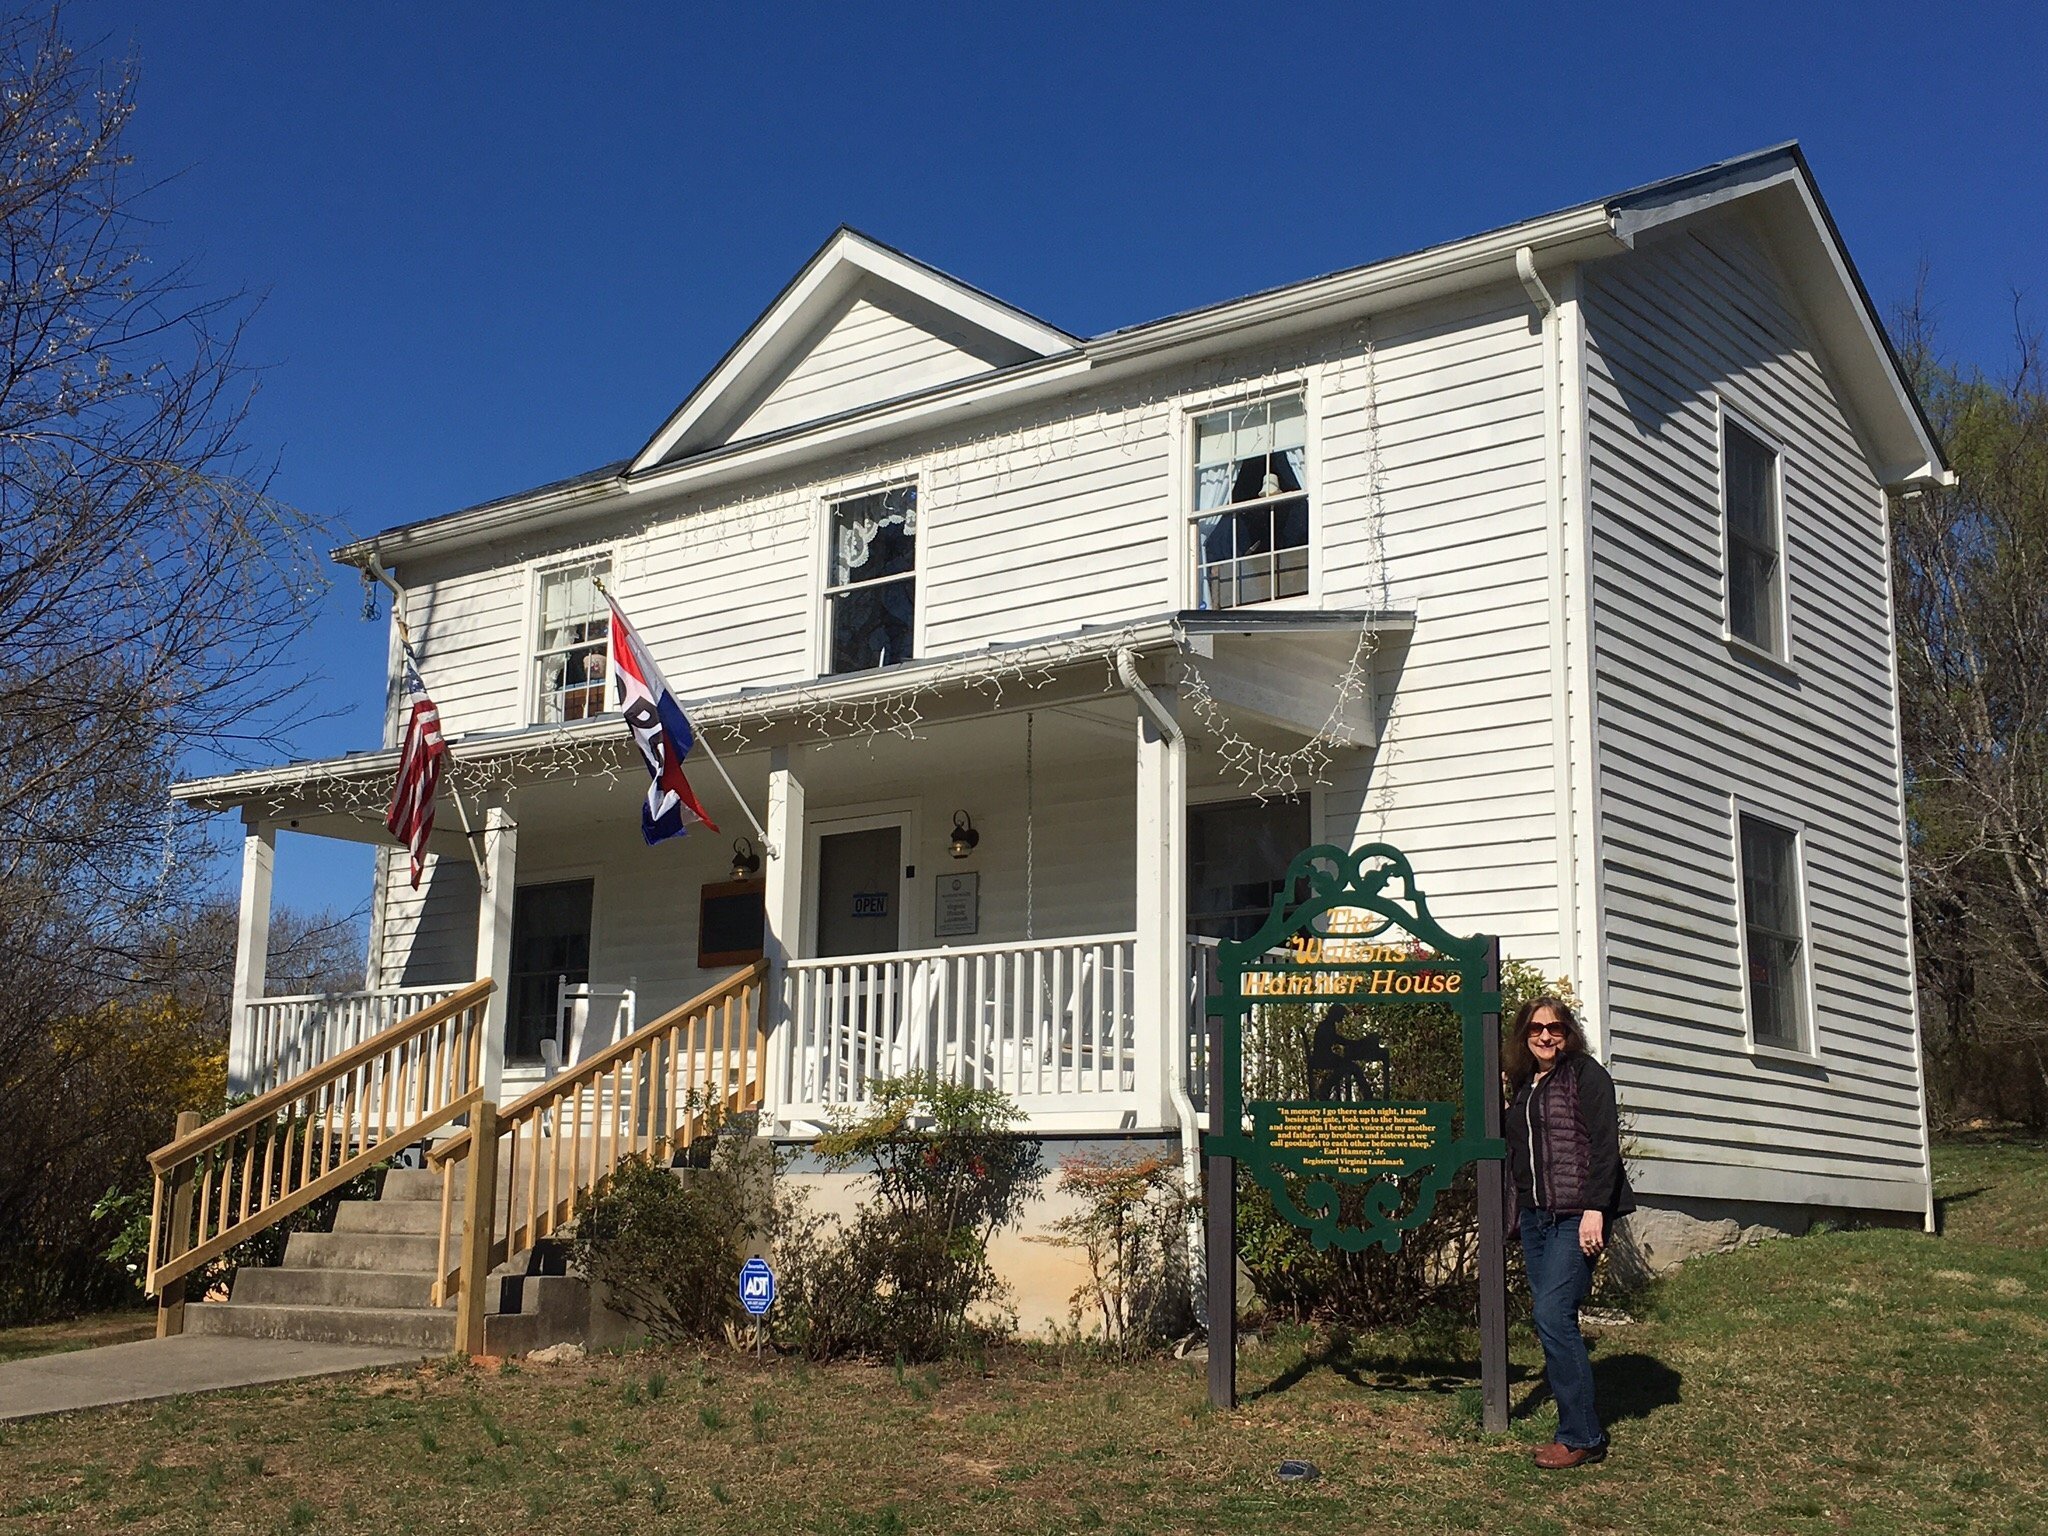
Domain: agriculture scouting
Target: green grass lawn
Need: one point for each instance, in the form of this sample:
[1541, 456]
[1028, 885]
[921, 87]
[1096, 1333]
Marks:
[77, 1333]
[1851, 1381]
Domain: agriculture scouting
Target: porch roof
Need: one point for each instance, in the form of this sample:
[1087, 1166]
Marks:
[348, 792]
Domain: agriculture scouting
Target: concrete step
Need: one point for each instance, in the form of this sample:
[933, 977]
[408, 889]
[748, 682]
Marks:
[418, 1252]
[429, 1331]
[409, 1184]
[405, 1216]
[286, 1287]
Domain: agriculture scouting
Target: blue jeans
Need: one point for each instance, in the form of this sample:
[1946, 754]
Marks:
[1559, 1277]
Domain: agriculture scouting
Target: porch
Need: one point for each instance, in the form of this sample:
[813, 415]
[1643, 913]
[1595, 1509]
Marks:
[990, 885]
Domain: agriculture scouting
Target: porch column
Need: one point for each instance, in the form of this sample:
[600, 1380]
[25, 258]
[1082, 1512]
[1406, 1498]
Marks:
[252, 949]
[494, 934]
[783, 900]
[1160, 992]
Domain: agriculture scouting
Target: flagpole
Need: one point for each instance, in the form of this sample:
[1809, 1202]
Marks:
[469, 837]
[745, 810]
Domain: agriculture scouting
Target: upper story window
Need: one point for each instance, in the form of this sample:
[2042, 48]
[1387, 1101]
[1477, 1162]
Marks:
[1773, 933]
[575, 642]
[1755, 552]
[1251, 511]
[871, 580]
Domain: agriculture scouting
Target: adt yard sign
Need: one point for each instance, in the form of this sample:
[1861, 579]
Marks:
[757, 1287]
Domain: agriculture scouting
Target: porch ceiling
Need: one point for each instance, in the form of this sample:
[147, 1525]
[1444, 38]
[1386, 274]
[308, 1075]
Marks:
[1251, 662]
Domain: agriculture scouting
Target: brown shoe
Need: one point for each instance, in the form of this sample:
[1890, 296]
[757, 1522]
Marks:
[1556, 1458]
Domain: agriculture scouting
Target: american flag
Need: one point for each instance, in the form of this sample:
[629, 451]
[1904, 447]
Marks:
[411, 817]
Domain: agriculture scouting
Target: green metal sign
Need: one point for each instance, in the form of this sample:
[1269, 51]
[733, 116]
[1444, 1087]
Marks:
[1360, 939]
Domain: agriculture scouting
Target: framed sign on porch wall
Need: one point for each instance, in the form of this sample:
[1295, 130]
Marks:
[956, 906]
[732, 923]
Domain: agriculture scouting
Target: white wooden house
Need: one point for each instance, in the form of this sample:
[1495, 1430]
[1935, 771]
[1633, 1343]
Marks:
[1555, 556]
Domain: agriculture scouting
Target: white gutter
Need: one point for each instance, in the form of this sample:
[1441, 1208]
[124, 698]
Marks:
[1177, 1078]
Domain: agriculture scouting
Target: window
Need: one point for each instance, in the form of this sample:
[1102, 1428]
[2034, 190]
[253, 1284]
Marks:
[1773, 937]
[575, 642]
[1756, 567]
[871, 580]
[1250, 514]
[550, 940]
[1238, 852]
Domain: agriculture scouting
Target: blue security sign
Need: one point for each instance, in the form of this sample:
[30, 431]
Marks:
[757, 1287]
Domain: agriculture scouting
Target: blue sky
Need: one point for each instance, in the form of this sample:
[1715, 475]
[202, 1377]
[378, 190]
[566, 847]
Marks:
[498, 243]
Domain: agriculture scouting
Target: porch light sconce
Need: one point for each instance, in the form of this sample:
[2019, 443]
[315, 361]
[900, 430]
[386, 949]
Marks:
[745, 862]
[965, 838]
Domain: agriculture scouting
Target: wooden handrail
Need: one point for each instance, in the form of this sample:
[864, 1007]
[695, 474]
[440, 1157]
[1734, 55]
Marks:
[255, 1165]
[570, 1079]
[569, 1135]
[266, 1105]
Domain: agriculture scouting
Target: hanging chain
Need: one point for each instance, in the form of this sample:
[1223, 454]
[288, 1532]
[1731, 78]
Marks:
[1030, 845]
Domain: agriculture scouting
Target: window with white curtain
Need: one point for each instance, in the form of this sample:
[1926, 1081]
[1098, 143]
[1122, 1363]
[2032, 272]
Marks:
[1251, 515]
[871, 580]
[575, 642]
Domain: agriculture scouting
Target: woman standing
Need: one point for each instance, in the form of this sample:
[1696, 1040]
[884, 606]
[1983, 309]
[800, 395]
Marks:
[1565, 1183]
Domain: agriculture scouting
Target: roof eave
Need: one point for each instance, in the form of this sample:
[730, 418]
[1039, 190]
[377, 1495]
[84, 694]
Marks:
[1153, 632]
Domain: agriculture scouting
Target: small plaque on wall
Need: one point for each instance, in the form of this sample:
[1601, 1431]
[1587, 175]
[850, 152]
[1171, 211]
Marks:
[957, 912]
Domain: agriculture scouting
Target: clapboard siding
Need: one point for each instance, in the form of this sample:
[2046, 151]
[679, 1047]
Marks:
[866, 354]
[1463, 781]
[428, 936]
[1684, 725]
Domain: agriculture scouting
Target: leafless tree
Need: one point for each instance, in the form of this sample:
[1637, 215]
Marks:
[1970, 567]
[148, 582]
[149, 588]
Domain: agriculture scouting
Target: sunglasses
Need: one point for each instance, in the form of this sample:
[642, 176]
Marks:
[1562, 1031]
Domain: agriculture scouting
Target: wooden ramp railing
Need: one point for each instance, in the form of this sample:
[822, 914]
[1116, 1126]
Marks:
[661, 1087]
[224, 1182]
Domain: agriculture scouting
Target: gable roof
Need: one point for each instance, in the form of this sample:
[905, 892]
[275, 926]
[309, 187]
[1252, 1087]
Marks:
[849, 270]
[983, 350]
[1779, 187]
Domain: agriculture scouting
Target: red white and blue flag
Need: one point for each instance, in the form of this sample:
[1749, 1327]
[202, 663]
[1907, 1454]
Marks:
[660, 730]
[411, 816]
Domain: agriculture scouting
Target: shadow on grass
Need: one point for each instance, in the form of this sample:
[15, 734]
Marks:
[1383, 1370]
[1943, 1202]
[1632, 1386]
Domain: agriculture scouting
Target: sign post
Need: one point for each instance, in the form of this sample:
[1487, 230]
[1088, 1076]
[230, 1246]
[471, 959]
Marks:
[1349, 933]
[757, 1294]
[1222, 1254]
[1493, 1257]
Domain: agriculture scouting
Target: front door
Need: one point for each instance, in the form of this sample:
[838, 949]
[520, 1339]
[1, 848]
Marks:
[550, 940]
[860, 891]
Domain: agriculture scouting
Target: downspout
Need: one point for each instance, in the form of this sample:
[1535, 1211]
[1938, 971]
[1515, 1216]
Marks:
[1176, 1078]
[1559, 636]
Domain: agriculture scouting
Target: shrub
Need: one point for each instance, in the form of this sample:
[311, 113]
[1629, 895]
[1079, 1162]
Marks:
[1132, 1229]
[944, 1170]
[669, 1243]
[1436, 1266]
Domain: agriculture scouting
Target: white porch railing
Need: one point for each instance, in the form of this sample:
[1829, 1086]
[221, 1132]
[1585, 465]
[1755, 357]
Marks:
[1049, 1023]
[284, 1036]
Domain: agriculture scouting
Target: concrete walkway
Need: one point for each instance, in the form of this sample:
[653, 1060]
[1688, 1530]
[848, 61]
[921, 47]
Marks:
[152, 1368]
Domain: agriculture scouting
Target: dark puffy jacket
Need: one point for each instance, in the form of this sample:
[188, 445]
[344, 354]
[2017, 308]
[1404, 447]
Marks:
[1575, 1142]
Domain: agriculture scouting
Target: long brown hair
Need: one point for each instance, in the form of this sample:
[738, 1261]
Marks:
[1521, 1066]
